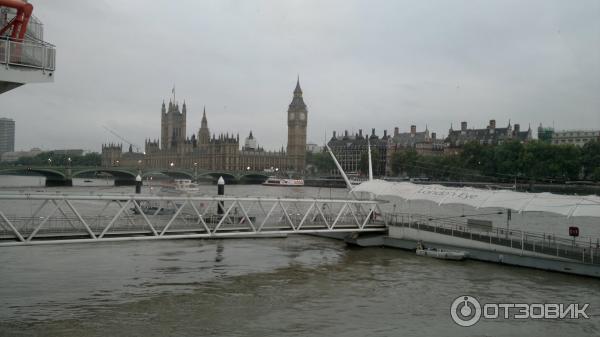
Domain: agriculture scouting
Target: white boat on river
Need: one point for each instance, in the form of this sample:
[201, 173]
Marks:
[180, 186]
[442, 254]
[273, 181]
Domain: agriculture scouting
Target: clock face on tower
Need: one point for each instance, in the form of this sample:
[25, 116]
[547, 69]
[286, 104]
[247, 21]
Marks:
[302, 116]
[291, 115]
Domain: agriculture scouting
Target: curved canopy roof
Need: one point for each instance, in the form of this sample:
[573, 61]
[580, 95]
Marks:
[567, 205]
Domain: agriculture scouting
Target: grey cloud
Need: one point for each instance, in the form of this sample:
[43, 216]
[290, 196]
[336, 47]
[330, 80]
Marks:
[362, 64]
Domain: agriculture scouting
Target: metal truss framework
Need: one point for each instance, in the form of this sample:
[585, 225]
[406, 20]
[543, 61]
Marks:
[28, 219]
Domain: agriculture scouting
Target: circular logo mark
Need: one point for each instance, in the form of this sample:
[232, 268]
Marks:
[465, 311]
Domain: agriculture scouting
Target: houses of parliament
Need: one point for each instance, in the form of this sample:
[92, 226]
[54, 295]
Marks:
[215, 152]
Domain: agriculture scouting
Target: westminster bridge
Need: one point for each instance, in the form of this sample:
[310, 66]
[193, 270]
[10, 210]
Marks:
[64, 175]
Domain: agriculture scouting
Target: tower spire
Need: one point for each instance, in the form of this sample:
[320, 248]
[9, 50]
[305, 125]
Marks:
[297, 118]
[204, 122]
[204, 133]
[298, 90]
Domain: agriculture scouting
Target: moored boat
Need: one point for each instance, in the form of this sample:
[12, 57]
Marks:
[440, 253]
[274, 181]
[180, 186]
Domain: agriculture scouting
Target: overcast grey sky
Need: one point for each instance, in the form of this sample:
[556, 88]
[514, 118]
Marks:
[362, 64]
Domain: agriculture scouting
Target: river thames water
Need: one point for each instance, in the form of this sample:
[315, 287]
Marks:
[293, 286]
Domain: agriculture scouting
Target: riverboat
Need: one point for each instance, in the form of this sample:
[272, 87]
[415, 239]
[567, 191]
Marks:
[273, 181]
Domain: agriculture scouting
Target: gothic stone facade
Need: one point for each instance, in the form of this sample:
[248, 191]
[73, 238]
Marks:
[113, 155]
[221, 152]
[297, 120]
[491, 135]
[349, 149]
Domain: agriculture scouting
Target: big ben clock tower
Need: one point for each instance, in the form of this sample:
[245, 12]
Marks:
[297, 119]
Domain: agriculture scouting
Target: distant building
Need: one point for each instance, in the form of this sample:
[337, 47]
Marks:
[13, 156]
[7, 135]
[423, 142]
[68, 152]
[313, 148]
[112, 155]
[250, 144]
[545, 134]
[349, 149]
[491, 135]
[574, 137]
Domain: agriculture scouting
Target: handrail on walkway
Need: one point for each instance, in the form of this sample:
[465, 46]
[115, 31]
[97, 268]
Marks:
[30, 54]
[583, 249]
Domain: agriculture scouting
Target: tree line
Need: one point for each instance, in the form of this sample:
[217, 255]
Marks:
[507, 162]
[56, 159]
[532, 161]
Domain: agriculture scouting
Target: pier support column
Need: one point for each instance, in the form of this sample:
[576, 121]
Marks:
[221, 191]
[138, 184]
[69, 175]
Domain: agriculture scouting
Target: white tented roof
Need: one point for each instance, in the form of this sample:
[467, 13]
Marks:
[568, 205]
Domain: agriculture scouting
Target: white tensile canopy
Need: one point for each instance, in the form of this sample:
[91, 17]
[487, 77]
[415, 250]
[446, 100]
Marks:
[567, 205]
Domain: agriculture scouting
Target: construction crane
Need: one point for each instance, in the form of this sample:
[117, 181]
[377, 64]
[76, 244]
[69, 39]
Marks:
[137, 148]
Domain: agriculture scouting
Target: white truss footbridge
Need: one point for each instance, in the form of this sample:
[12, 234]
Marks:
[29, 219]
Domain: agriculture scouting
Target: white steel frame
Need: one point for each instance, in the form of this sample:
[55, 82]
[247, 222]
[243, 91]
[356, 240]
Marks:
[284, 216]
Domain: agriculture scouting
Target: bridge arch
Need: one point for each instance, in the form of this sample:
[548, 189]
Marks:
[121, 176]
[42, 171]
[254, 177]
[228, 177]
[117, 173]
[53, 176]
[146, 174]
[177, 174]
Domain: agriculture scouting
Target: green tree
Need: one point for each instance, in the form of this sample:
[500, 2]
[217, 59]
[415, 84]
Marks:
[543, 161]
[363, 165]
[322, 162]
[405, 162]
[508, 158]
[52, 158]
[478, 161]
[590, 160]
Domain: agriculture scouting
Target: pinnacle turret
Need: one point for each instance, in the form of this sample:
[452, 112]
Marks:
[204, 122]
[298, 101]
[298, 90]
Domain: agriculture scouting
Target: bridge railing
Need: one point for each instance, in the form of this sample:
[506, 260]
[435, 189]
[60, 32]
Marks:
[30, 54]
[583, 249]
[43, 218]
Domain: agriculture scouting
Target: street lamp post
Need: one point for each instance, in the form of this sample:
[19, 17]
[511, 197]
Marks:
[195, 171]
[69, 176]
